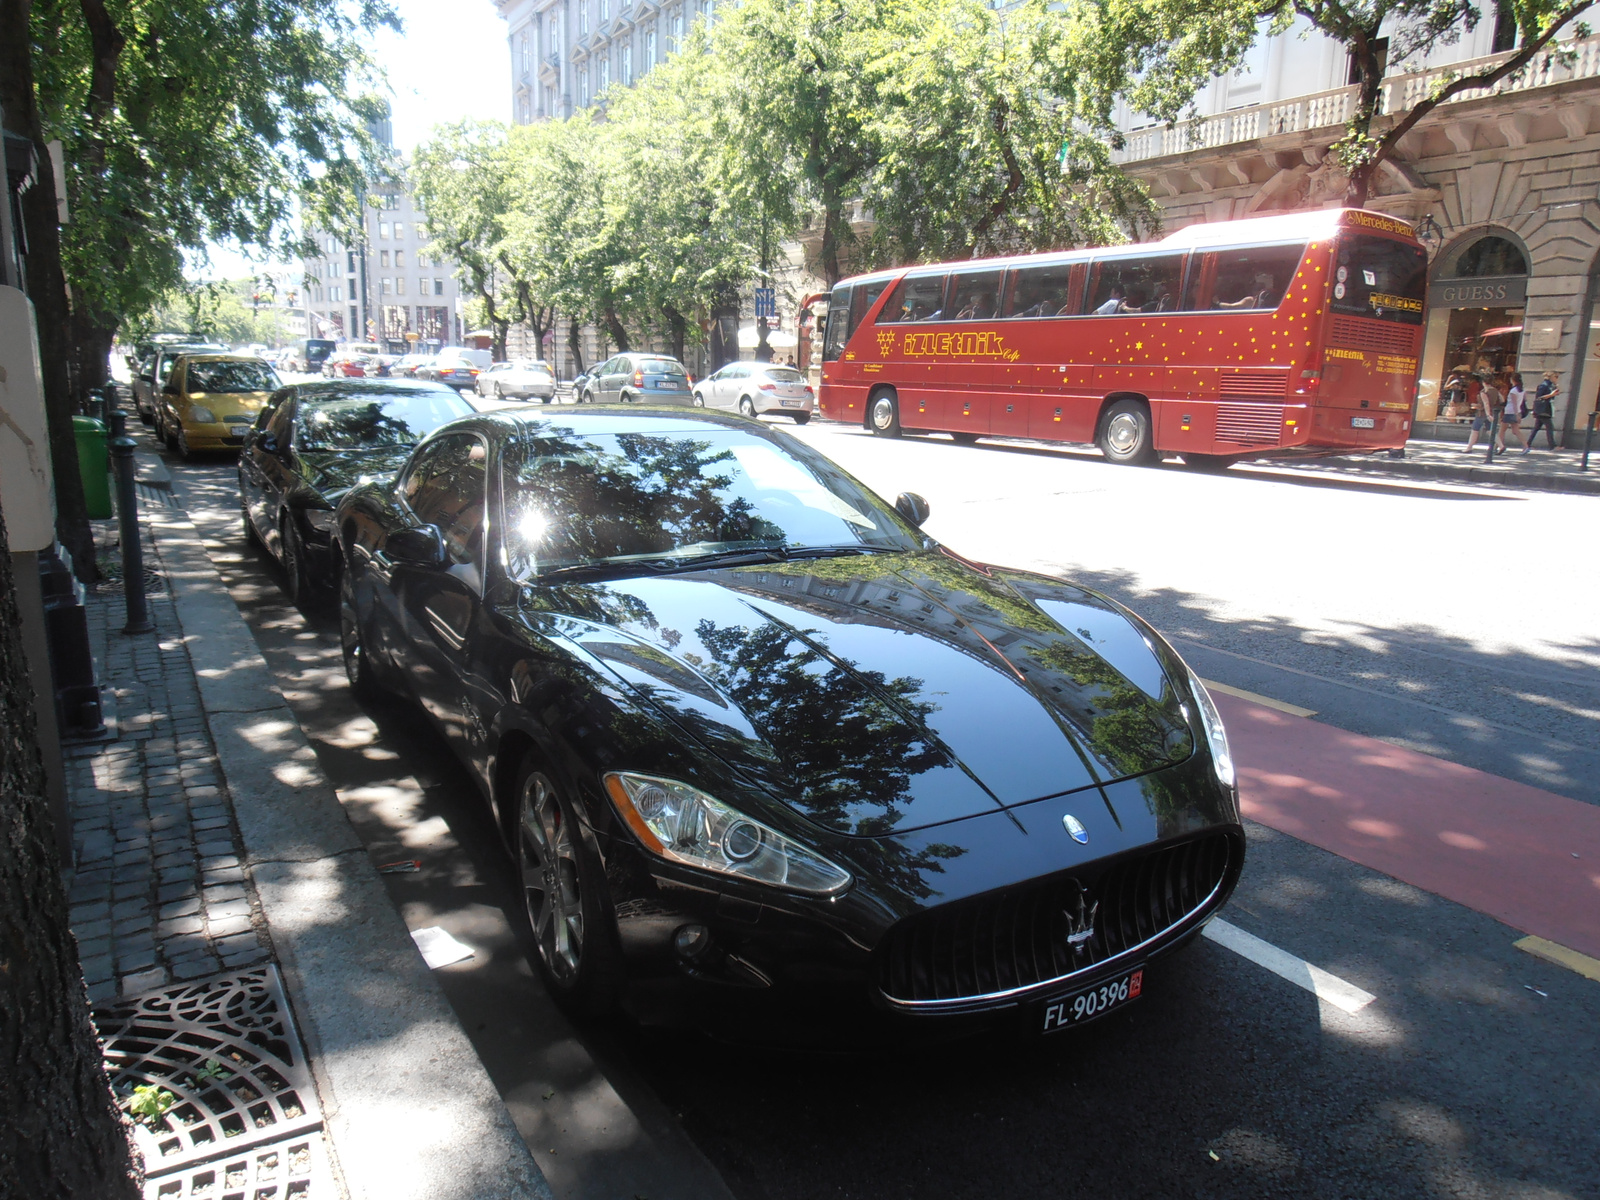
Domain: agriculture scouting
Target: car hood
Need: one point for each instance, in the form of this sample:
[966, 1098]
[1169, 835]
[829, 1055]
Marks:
[332, 473]
[228, 402]
[885, 693]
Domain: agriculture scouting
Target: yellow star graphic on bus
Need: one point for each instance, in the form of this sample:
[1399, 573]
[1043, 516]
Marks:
[885, 341]
[1138, 345]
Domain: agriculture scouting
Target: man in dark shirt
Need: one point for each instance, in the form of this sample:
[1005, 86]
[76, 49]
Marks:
[1544, 410]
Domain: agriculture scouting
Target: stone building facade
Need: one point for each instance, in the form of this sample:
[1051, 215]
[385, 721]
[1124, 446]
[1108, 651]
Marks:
[1504, 187]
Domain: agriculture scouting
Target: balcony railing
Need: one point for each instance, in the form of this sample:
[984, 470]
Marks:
[1575, 60]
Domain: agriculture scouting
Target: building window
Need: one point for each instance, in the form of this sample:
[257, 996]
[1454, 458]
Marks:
[383, 229]
[388, 286]
[335, 294]
[400, 284]
[438, 287]
[605, 11]
[627, 65]
[555, 36]
[650, 48]
[677, 28]
[605, 73]
[399, 258]
[349, 262]
[549, 102]
[399, 229]
[583, 18]
[383, 258]
[583, 87]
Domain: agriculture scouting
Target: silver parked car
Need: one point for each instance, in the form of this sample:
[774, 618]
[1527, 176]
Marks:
[457, 372]
[637, 377]
[754, 387]
[521, 379]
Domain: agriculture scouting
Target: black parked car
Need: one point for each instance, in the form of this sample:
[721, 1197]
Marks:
[311, 444]
[749, 732]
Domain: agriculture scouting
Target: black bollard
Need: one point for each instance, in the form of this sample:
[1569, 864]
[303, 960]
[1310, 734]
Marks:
[1588, 440]
[122, 447]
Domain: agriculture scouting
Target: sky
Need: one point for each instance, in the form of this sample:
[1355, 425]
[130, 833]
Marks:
[450, 62]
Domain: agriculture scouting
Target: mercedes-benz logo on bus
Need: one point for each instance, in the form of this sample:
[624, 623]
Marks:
[1076, 829]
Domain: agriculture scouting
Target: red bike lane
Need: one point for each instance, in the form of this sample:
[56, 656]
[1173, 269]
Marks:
[1526, 857]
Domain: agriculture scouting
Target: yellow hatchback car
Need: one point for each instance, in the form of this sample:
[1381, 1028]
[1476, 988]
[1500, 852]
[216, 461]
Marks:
[209, 401]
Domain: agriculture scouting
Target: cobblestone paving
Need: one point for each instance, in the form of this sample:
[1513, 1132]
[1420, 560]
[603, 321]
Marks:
[158, 894]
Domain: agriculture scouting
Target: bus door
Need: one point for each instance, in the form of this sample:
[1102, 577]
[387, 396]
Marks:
[1049, 388]
[980, 370]
[908, 338]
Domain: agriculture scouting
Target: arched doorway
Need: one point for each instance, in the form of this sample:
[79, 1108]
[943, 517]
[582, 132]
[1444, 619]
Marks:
[1476, 304]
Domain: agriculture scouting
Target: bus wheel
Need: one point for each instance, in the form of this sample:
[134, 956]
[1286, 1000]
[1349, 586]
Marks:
[1209, 463]
[885, 414]
[1125, 434]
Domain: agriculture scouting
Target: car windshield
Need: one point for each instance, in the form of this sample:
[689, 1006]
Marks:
[666, 500]
[370, 421]
[659, 366]
[231, 377]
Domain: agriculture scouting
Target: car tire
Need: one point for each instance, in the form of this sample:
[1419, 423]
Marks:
[574, 939]
[1126, 435]
[147, 418]
[183, 444]
[883, 414]
[800, 418]
[699, 400]
[1208, 464]
[747, 407]
[251, 537]
[587, 397]
[499, 394]
[292, 557]
[358, 665]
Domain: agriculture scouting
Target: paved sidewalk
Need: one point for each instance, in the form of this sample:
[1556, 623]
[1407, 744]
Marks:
[207, 840]
[1543, 470]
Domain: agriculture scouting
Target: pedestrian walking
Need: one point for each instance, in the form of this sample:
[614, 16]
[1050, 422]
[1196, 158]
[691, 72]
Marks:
[1484, 399]
[1511, 418]
[1544, 410]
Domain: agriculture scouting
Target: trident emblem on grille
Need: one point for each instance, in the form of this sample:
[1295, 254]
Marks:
[1080, 915]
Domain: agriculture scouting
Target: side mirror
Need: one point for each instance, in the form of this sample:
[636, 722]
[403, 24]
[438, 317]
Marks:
[417, 546]
[171, 389]
[146, 378]
[912, 507]
[268, 442]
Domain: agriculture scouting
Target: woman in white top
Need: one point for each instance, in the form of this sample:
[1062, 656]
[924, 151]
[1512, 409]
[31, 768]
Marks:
[1511, 419]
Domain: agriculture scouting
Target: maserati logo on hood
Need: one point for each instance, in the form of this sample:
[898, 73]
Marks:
[1080, 915]
[1076, 829]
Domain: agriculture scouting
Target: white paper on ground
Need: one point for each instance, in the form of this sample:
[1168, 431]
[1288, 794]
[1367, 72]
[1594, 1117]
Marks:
[438, 948]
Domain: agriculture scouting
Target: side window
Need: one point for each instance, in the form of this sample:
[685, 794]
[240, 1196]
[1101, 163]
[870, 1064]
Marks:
[1043, 291]
[279, 421]
[838, 328]
[1251, 277]
[1136, 285]
[976, 296]
[918, 299]
[865, 297]
[448, 486]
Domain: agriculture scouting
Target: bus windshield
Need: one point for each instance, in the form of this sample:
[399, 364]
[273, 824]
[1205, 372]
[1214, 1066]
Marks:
[1378, 277]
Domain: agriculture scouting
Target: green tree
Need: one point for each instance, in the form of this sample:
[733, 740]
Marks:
[1159, 53]
[463, 181]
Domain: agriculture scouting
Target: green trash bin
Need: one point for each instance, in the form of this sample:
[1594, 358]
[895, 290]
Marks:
[94, 466]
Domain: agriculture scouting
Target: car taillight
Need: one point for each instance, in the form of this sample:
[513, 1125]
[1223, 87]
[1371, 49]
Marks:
[638, 379]
[472, 370]
[769, 387]
[809, 392]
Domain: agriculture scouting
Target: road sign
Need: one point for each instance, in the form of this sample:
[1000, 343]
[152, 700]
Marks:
[766, 302]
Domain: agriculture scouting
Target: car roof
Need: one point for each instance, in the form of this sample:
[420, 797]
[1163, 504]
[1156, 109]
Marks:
[219, 356]
[352, 389]
[632, 418]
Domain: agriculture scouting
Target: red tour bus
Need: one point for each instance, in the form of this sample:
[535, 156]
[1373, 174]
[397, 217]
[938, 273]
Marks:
[1271, 337]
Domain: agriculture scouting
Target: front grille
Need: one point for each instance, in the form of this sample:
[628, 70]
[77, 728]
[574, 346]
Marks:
[1271, 385]
[1250, 424]
[1385, 337]
[1004, 941]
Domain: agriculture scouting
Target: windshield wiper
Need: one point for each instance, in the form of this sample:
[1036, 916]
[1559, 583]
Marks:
[668, 564]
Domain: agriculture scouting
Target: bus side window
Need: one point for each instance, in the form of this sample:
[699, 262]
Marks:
[1136, 285]
[1042, 291]
[866, 295]
[918, 299]
[1253, 277]
[976, 296]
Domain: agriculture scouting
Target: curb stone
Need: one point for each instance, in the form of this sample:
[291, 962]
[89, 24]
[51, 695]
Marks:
[409, 1108]
[1463, 473]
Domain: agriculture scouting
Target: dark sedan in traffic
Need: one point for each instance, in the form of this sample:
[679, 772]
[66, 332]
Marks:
[311, 444]
[752, 737]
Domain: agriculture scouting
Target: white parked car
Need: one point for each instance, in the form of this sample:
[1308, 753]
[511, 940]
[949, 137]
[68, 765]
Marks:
[478, 358]
[754, 387]
[522, 379]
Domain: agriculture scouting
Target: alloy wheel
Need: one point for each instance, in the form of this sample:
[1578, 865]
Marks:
[885, 416]
[357, 667]
[747, 408]
[1122, 431]
[289, 554]
[548, 855]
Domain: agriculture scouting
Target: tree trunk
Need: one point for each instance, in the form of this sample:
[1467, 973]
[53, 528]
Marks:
[832, 215]
[46, 285]
[724, 327]
[678, 329]
[92, 347]
[614, 326]
[60, 1132]
[575, 346]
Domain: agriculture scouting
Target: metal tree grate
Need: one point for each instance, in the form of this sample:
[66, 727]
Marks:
[227, 1050]
[293, 1168]
[111, 580]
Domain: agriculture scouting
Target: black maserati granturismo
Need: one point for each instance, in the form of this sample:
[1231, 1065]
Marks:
[753, 738]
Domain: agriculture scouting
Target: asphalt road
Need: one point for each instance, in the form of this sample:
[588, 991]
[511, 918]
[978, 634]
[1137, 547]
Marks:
[1449, 620]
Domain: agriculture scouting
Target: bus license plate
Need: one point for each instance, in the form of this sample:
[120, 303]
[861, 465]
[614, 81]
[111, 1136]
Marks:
[1093, 1002]
[1363, 423]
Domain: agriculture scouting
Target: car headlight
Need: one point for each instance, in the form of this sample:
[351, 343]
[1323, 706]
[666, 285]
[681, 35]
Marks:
[320, 519]
[202, 416]
[685, 825]
[1216, 735]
